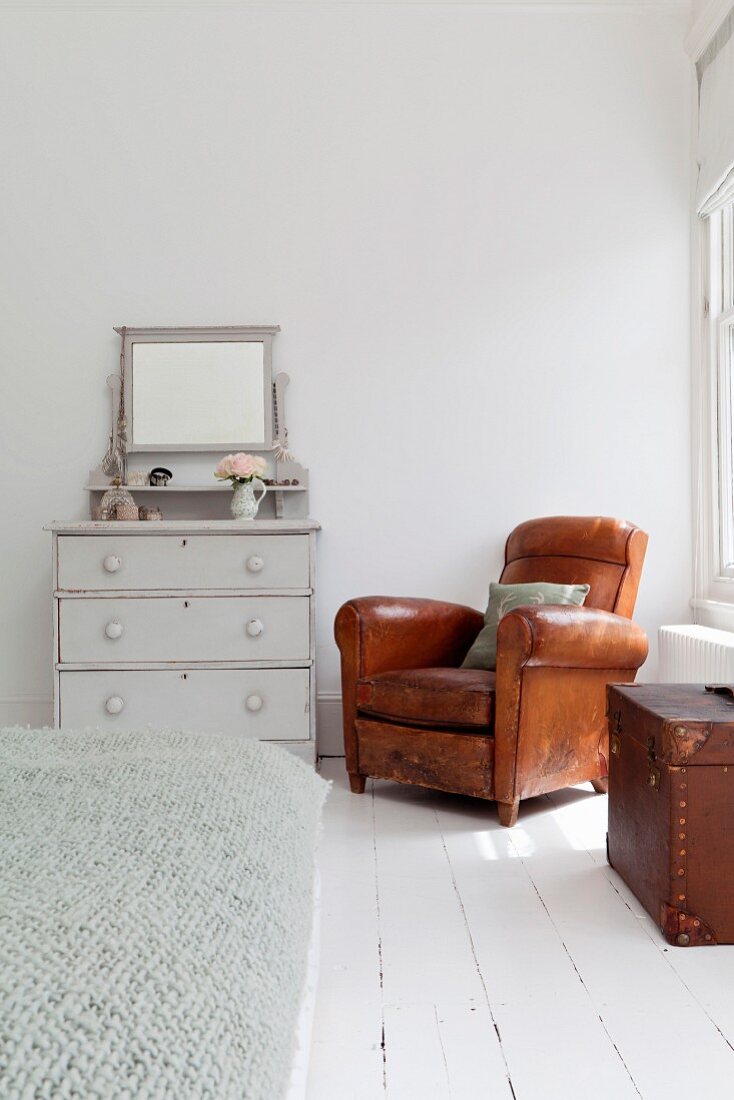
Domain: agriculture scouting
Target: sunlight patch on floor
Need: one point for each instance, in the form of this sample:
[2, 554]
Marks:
[583, 823]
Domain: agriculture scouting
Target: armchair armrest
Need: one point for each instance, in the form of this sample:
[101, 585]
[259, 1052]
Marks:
[553, 665]
[386, 633]
[571, 637]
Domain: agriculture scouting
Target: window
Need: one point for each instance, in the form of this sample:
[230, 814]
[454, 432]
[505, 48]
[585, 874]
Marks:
[713, 336]
[721, 343]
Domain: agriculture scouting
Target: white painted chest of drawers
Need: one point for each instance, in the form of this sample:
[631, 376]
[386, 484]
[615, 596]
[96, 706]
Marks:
[194, 625]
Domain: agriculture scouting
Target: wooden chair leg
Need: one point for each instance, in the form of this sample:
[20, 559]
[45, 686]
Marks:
[508, 812]
[357, 782]
[601, 786]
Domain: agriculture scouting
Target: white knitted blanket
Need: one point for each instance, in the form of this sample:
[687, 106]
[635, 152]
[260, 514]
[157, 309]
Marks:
[155, 914]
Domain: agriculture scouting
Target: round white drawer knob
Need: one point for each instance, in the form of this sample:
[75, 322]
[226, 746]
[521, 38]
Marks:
[112, 563]
[114, 704]
[254, 703]
[113, 629]
[255, 628]
[255, 563]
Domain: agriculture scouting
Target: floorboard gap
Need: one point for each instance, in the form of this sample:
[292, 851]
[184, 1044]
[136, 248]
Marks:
[576, 969]
[666, 957]
[383, 1045]
[473, 949]
[443, 1051]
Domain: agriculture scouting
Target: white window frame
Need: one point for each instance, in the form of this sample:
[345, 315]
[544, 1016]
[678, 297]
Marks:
[721, 324]
[713, 429]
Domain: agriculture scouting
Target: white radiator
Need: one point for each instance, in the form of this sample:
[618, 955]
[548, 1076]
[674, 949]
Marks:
[696, 655]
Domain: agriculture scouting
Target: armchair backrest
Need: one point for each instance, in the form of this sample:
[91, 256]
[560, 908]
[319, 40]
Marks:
[606, 554]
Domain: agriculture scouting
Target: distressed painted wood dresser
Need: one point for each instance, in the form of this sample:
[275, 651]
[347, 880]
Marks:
[204, 625]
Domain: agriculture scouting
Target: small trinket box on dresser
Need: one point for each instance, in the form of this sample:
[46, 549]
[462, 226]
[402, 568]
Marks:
[671, 805]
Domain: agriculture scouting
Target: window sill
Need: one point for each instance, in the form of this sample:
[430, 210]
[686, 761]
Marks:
[716, 613]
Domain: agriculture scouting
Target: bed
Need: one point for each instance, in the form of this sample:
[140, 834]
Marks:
[156, 915]
[298, 1084]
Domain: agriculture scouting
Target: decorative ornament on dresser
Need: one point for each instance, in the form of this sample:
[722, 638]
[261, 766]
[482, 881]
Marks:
[160, 476]
[149, 513]
[228, 641]
[117, 503]
[245, 472]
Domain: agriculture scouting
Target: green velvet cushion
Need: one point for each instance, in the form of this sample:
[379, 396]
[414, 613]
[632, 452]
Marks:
[506, 597]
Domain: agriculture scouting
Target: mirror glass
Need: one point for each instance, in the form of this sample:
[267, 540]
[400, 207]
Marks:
[198, 394]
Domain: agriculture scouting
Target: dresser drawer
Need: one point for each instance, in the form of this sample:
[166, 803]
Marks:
[142, 562]
[269, 704]
[97, 630]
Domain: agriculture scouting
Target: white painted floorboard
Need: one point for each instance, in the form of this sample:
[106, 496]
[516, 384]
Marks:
[464, 961]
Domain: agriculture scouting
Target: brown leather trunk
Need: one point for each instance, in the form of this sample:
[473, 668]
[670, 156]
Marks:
[671, 806]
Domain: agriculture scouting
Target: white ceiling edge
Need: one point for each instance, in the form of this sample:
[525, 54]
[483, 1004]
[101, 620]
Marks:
[63, 6]
[706, 26]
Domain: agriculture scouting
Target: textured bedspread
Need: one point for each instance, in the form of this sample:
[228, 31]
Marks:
[155, 914]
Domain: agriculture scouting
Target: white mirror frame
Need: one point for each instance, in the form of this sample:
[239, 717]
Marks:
[229, 334]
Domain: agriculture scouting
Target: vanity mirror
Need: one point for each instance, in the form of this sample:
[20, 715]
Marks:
[184, 395]
[198, 389]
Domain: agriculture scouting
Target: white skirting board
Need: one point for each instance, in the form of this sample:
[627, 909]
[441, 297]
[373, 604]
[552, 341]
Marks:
[37, 711]
[330, 739]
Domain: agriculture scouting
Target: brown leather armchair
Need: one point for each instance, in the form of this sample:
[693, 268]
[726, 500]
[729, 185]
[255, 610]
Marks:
[536, 724]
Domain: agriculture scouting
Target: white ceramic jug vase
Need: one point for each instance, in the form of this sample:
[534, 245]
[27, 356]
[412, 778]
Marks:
[244, 504]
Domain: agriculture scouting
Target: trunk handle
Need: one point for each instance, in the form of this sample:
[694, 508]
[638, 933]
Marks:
[726, 690]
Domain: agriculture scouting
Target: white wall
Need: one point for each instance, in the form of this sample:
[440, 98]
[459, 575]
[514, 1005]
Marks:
[471, 223]
[697, 8]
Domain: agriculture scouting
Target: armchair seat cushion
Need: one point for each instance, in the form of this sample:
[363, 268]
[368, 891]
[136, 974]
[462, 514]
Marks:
[453, 697]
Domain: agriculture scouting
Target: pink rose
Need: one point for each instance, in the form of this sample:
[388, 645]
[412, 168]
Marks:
[223, 469]
[241, 466]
